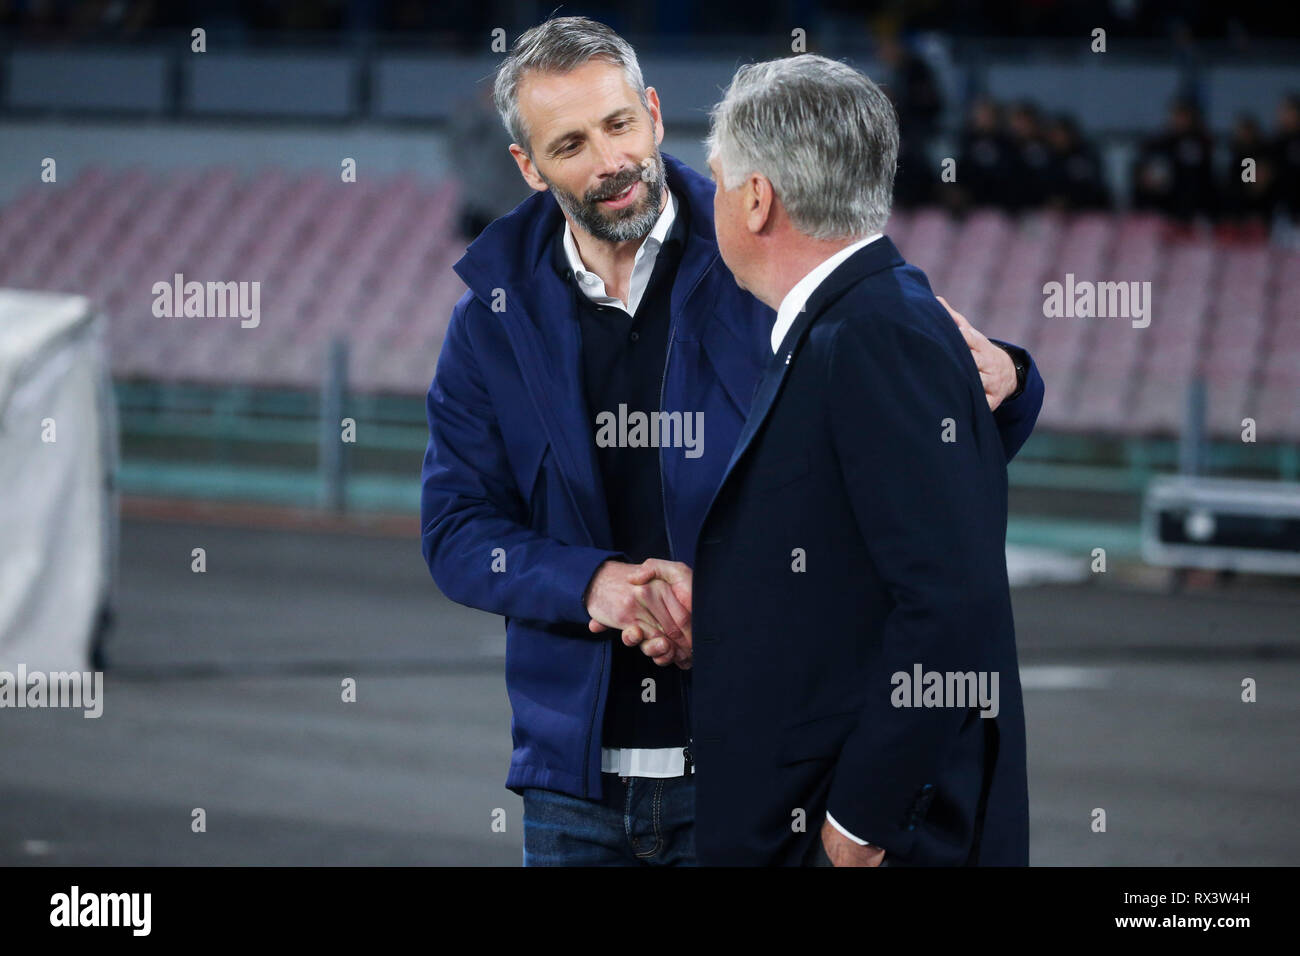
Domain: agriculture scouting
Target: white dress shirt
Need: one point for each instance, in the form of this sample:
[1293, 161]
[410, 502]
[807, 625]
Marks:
[631, 761]
[791, 306]
[798, 296]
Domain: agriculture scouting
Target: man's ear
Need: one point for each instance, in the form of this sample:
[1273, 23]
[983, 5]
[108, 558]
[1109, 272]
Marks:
[759, 198]
[656, 114]
[527, 169]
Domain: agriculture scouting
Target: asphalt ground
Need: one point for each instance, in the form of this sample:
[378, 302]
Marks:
[224, 694]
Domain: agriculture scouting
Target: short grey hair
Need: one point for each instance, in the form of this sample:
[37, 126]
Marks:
[559, 46]
[821, 132]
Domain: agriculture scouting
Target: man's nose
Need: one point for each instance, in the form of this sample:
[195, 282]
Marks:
[608, 161]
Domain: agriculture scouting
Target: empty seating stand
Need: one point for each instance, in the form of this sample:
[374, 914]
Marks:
[368, 262]
[371, 262]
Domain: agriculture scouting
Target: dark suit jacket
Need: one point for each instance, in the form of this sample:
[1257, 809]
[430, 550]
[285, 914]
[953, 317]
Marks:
[842, 465]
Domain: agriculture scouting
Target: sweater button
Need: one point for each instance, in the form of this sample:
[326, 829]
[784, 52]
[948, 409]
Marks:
[635, 336]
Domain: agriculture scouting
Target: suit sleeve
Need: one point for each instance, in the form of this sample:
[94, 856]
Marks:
[1015, 417]
[470, 505]
[852, 836]
[922, 506]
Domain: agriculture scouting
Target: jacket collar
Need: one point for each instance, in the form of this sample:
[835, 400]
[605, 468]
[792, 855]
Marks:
[872, 258]
[511, 251]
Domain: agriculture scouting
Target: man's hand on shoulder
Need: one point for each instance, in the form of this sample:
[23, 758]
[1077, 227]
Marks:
[997, 370]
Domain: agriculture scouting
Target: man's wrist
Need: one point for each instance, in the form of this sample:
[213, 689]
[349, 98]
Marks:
[1020, 362]
[591, 582]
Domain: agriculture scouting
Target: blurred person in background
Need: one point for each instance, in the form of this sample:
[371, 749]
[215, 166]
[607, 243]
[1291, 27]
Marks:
[1032, 159]
[1247, 206]
[489, 179]
[1076, 180]
[986, 162]
[1174, 171]
[1286, 157]
[914, 90]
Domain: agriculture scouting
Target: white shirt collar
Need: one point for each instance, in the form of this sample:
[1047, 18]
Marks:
[593, 286]
[798, 296]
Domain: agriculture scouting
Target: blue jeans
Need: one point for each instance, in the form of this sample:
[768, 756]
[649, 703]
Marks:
[639, 821]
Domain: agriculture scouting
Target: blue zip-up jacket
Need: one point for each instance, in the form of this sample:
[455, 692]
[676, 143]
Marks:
[512, 513]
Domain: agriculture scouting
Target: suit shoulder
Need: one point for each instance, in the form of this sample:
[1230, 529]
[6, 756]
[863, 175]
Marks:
[898, 300]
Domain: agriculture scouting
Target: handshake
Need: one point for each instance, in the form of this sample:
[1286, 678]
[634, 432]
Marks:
[650, 603]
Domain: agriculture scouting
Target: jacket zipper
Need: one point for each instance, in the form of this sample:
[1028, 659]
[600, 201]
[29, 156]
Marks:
[672, 554]
[605, 647]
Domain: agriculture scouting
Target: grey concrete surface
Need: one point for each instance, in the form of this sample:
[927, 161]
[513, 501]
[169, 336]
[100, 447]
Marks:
[224, 693]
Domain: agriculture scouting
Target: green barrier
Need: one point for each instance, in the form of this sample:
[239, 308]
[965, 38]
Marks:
[243, 422]
[1121, 540]
[277, 486]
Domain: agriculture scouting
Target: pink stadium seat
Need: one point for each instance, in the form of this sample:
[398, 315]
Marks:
[372, 260]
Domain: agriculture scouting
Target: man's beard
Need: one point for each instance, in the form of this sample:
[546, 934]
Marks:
[619, 225]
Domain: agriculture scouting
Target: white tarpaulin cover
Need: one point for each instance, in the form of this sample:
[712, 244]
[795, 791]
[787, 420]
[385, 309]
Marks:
[57, 511]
